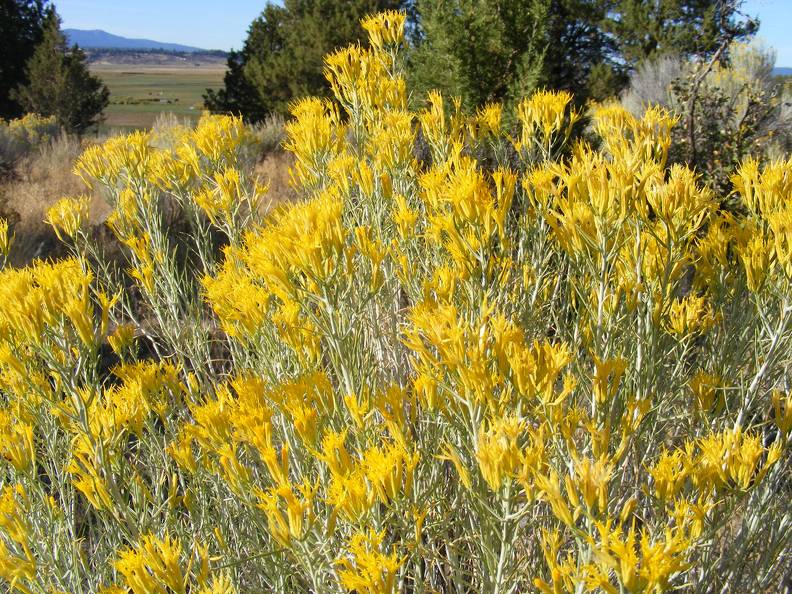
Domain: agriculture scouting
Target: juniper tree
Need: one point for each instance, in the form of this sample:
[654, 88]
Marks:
[480, 50]
[21, 29]
[59, 83]
[487, 50]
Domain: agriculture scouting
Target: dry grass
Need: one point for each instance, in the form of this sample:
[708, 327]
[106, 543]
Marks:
[36, 183]
[45, 176]
[273, 169]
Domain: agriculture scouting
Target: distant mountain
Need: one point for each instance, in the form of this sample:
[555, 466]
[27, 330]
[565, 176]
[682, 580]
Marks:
[98, 39]
[782, 71]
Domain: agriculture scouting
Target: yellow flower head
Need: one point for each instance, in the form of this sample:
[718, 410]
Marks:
[6, 239]
[389, 470]
[487, 121]
[297, 506]
[688, 316]
[17, 564]
[545, 114]
[704, 387]
[385, 28]
[782, 407]
[590, 480]
[151, 565]
[733, 459]
[16, 441]
[366, 568]
[68, 215]
[764, 190]
[122, 338]
[498, 450]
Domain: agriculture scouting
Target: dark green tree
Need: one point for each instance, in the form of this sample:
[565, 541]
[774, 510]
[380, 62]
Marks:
[579, 56]
[480, 50]
[21, 29]
[642, 29]
[283, 56]
[240, 95]
[498, 49]
[59, 83]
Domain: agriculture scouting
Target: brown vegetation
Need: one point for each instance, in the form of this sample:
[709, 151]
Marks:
[46, 174]
[274, 170]
[37, 181]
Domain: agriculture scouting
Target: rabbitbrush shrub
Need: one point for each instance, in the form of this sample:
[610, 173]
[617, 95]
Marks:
[519, 364]
[20, 137]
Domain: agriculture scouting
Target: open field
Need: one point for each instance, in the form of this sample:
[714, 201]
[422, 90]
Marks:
[138, 94]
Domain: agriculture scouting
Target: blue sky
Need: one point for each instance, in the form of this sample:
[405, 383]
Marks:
[223, 25]
[776, 20]
[207, 24]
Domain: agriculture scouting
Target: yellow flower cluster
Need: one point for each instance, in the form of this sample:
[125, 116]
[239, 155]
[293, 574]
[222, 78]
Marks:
[17, 563]
[43, 298]
[368, 571]
[155, 566]
[68, 215]
[547, 118]
[6, 239]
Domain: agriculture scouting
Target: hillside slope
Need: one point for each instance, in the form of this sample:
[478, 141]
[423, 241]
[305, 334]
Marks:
[98, 39]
